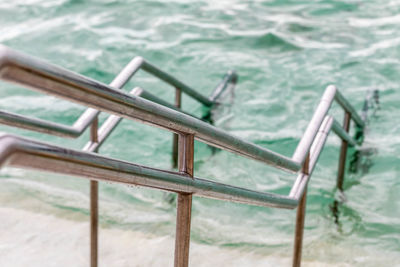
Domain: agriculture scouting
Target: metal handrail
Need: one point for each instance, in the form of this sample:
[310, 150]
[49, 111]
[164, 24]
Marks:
[87, 117]
[37, 74]
[140, 63]
[22, 152]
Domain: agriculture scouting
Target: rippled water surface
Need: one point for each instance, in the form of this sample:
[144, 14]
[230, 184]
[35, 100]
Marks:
[286, 53]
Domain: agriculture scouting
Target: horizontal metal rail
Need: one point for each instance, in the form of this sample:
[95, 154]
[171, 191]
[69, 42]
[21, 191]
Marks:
[140, 63]
[74, 131]
[57, 129]
[83, 122]
[341, 100]
[112, 121]
[40, 75]
[21, 152]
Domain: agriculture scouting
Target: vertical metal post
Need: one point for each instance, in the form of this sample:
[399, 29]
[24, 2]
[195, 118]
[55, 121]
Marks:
[301, 213]
[178, 102]
[343, 152]
[184, 203]
[94, 205]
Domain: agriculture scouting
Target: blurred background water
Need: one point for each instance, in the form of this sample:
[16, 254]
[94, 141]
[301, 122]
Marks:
[286, 53]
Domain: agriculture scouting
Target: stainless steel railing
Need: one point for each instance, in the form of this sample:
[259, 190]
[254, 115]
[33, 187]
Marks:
[39, 75]
[63, 83]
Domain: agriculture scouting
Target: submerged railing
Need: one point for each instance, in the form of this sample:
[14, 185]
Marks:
[142, 106]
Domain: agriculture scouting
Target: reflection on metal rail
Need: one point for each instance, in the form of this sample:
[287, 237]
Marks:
[37, 74]
[120, 80]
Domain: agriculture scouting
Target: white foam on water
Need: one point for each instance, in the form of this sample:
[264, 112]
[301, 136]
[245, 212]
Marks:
[33, 239]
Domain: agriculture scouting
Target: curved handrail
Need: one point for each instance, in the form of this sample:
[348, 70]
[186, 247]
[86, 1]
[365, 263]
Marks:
[79, 126]
[87, 117]
[40, 75]
[140, 63]
[22, 152]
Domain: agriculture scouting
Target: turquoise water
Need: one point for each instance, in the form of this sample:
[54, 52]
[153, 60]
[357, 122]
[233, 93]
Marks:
[286, 53]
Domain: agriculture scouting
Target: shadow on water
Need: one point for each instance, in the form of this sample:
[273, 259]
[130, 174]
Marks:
[360, 160]
[347, 220]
